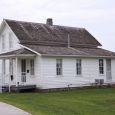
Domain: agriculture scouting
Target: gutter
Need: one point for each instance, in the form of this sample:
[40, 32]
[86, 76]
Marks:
[85, 56]
[15, 55]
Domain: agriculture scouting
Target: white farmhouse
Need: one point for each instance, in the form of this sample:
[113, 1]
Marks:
[52, 56]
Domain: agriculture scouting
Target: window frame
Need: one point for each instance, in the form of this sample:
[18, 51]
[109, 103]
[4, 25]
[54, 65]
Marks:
[11, 67]
[59, 67]
[4, 67]
[3, 42]
[101, 66]
[78, 67]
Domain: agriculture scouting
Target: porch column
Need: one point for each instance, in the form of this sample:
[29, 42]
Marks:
[3, 71]
[16, 71]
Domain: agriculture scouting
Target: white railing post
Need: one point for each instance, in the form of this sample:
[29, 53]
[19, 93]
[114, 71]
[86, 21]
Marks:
[9, 86]
[0, 84]
[3, 71]
[16, 71]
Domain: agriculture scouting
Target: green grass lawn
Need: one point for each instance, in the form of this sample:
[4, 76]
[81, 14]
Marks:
[79, 102]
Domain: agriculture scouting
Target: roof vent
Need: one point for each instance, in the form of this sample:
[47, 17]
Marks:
[68, 40]
[49, 22]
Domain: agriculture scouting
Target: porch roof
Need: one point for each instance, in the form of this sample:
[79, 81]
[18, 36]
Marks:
[18, 52]
[70, 51]
[59, 51]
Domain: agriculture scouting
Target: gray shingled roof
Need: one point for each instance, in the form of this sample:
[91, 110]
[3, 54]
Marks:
[52, 40]
[17, 52]
[96, 51]
[36, 33]
[61, 51]
[54, 50]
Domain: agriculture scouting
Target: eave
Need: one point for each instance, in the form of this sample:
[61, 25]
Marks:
[75, 56]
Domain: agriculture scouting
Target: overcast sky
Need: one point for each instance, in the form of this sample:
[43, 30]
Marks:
[97, 16]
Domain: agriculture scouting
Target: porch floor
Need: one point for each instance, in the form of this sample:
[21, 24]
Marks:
[19, 88]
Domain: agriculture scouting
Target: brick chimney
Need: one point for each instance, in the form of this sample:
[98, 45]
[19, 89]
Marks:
[49, 22]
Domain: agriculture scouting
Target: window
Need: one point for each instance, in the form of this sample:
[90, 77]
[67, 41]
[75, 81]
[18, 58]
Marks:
[23, 70]
[32, 66]
[59, 66]
[10, 41]
[3, 42]
[78, 66]
[11, 67]
[3, 67]
[101, 66]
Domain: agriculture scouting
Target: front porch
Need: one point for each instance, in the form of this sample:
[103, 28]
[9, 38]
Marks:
[18, 69]
[19, 88]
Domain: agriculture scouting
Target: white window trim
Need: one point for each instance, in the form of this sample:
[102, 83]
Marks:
[60, 75]
[3, 42]
[3, 67]
[101, 74]
[10, 41]
[79, 75]
[11, 67]
[32, 67]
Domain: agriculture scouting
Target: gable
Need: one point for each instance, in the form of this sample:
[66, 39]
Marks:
[37, 33]
[9, 38]
[18, 52]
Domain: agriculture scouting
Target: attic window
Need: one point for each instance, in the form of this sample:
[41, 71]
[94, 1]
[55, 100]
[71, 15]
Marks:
[10, 41]
[3, 42]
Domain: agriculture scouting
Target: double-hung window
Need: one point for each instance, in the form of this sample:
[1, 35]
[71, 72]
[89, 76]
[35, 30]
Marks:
[59, 66]
[11, 66]
[32, 66]
[3, 67]
[78, 67]
[3, 42]
[101, 66]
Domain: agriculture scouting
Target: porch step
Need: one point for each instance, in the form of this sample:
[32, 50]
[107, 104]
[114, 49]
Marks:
[5, 88]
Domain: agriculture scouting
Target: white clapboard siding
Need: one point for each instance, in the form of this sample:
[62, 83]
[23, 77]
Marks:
[49, 79]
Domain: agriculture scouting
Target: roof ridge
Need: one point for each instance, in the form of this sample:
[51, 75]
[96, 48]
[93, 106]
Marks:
[80, 28]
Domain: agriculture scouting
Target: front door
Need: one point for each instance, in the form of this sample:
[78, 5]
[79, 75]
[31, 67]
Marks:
[108, 70]
[23, 70]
